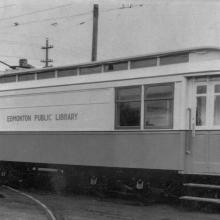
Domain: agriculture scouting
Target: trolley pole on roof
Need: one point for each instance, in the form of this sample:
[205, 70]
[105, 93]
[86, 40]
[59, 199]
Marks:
[95, 31]
[12, 67]
[46, 48]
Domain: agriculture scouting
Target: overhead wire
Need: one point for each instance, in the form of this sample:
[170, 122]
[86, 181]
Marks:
[53, 18]
[35, 12]
[38, 36]
[17, 24]
[46, 34]
[124, 6]
[7, 6]
[14, 56]
[17, 42]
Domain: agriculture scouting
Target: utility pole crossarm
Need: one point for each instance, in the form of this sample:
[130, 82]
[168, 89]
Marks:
[46, 48]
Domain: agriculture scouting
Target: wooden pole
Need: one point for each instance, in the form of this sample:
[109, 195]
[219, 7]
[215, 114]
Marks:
[95, 31]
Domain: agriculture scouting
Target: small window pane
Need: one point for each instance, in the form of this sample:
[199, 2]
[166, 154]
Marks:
[172, 59]
[26, 77]
[128, 114]
[116, 66]
[201, 89]
[201, 111]
[143, 63]
[158, 114]
[158, 92]
[130, 93]
[217, 110]
[67, 72]
[46, 75]
[90, 70]
[217, 88]
[8, 79]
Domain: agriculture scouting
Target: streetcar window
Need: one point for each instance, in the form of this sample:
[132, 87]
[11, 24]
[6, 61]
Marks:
[26, 77]
[201, 110]
[201, 89]
[128, 107]
[217, 88]
[217, 106]
[90, 70]
[116, 66]
[147, 62]
[67, 72]
[46, 75]
[172, 59]
[217, 110]
[158, 106]
[8, 79]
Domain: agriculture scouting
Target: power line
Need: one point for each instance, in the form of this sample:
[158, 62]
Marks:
[17, 24]
[55, 18]
[18, 42]
[124, 6]
[35, 12]
[13, 56]
[23, 35]
[41, 36]
[7, 6]
[58, 48]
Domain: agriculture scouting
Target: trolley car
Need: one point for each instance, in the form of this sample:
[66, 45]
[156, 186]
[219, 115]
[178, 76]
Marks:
[133, 123]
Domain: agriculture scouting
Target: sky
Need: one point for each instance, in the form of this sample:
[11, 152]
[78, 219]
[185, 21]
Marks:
[126, 28]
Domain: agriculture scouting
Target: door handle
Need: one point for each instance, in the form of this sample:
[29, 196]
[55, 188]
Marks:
[189, 132]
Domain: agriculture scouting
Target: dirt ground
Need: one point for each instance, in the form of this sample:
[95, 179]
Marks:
[74, 207]
[16, 207]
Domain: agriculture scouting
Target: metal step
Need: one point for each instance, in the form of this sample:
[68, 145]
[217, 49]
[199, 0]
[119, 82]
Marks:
[198, 185]
[200, 199]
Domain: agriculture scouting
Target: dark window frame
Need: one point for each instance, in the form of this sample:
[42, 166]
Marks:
[174, 59]
[66, 70]
[117, 101]
[85, 70]
[26, 79]
[170, 126]
[109, 67]
[8, 79]
[143, 63]
[44, 76]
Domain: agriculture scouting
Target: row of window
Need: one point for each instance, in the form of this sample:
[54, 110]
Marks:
[98, 68]
[158, 106]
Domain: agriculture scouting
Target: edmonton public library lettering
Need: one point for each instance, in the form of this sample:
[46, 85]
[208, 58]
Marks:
[42, 117]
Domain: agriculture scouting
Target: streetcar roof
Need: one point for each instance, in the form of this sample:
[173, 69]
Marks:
[117, 60]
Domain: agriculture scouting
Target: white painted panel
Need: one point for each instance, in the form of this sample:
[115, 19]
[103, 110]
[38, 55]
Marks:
[72, 111]
[48, 98]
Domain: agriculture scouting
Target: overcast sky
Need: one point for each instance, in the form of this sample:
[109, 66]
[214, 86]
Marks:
[148, 26]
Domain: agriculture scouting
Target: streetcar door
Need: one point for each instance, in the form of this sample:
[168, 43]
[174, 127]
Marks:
[197, 153]
[203, 150]
[214, 129]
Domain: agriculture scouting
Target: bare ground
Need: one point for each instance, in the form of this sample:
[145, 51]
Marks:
[74, 207]
[16, 207]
